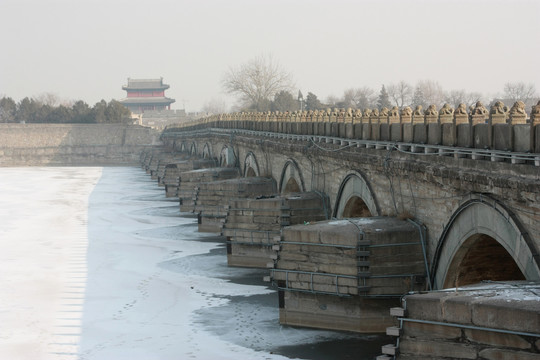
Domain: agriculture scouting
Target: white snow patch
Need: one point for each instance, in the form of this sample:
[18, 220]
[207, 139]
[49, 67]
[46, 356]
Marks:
[81, 276]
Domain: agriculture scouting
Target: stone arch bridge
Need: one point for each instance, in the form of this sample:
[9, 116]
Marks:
[451, 203]
[482, 217]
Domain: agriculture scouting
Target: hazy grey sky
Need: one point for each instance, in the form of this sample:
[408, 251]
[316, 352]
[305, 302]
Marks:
[86, 49]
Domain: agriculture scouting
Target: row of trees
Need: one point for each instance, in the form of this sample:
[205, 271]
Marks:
[45, 109]
[262, 84]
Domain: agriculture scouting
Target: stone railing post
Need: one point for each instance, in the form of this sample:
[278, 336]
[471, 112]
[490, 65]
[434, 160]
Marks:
[375, 126]
[448, 126]
[366, 124]
[357, 124]
[522, 132]
[499, 132]
[384, 127]
[434, 133]
[419, 126]
[406, 124]
[535, 122]
[394, 124]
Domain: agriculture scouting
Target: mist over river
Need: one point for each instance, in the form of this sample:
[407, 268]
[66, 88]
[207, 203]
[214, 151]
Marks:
[97, 263]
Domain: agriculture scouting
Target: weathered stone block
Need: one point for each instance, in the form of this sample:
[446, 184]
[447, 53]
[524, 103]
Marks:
[434, 133]
[349, 131]
[500, 354]
[408, 134]
[357, 131]
[375, 131]
[341, 130]
[502, 137]
[510, 315]
[384, 129]
[425, 306]
[464, 135]
[523, 138]
[419, 133]
[482, 136]
[366, 131]
[496, 339]
[457, 309]
[396, 132]
[437, 349]
[328, 128]
[449, 134]
[338, 313]
[430, 332]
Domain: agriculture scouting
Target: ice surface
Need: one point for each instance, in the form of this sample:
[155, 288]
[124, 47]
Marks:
[98, 264]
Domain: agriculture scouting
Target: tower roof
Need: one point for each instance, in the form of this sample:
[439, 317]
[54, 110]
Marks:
[145, 84]
[147, 100]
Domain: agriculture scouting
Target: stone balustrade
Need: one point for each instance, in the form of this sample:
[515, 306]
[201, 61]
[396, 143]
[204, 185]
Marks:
[499, 128]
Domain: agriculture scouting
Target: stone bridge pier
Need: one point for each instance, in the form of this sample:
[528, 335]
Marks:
[350, 224]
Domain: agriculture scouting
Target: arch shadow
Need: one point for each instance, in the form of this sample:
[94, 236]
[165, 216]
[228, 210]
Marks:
[251, 167]
[227, 157]
[476, 221]
[355, 198]
[291, 179]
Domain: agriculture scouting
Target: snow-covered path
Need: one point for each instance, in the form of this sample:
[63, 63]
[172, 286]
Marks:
[96, 264]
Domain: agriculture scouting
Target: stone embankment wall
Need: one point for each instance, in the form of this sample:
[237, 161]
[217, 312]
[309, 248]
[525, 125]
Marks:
[73, 144]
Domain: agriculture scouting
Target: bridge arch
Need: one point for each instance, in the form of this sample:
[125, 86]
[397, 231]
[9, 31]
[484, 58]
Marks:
[484, 240]
[193, 149]
[227, 157]
[207, 151]
[355, 198]
[183, 147]
[177, 145]
[251, 167]
[291, 179]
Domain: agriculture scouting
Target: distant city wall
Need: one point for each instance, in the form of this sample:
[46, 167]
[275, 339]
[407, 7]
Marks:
[73, 144]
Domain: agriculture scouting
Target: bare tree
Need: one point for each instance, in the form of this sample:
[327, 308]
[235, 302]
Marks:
[519, 91]
[400, 93]
[48, 98]
[350, 98]
[431, 91]
[257, 81]
[360, 98]
[215, 106]
[332, 100]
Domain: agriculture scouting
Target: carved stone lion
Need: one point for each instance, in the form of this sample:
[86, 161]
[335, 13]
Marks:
[384, 111]
[375, 112]
[461, 109]
[406, 111]
[418, 111]
[394, 111]
[479, 109]
[499, 108]
[518, 108]
[367, 112]
[431, 110]
[446, 110]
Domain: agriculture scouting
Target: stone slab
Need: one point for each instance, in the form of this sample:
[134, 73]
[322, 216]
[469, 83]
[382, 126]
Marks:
[482, 136]
[434, 133]
[503, 137]
[396, 132]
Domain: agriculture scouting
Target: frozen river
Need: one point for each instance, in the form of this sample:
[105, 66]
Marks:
[96, 263]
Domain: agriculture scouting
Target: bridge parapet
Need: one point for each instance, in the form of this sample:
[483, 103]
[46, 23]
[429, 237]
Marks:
[500, 128]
